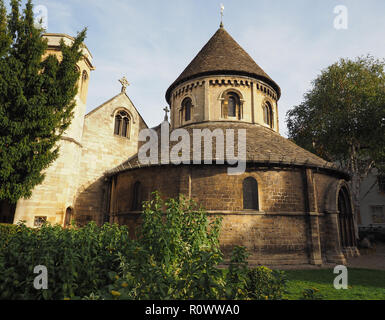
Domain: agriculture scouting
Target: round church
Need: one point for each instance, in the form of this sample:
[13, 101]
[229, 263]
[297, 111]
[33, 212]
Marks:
[287, 206]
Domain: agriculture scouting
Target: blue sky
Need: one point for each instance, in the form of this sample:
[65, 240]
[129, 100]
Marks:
[152, 41]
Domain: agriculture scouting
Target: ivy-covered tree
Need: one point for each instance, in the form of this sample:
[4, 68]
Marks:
[342, 118]
[36, 100]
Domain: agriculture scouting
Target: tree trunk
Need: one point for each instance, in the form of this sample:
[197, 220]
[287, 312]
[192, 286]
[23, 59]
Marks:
[356, 186]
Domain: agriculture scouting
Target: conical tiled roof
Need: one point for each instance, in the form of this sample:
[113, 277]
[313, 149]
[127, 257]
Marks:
[222, 55]
[264, 147]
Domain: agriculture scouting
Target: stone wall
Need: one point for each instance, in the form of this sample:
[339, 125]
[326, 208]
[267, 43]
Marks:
[206, 94]
[103, 150]
[283, 231]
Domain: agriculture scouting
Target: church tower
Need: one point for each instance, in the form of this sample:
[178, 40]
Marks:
[53, 200]
[223, 83]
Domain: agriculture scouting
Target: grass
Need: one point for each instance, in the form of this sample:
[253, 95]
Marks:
[363, 284]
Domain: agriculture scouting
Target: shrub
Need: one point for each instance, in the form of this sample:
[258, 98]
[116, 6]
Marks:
[265, 284]
[6, 232]
[78, 260]
[175, 256]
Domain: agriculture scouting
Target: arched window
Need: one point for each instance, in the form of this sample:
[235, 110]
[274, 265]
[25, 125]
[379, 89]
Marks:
[250, 194]
[186, 109]
[136, 197]
[231, 107]
[346, 223]
[122, 124]
[268, 114]
[68, 217]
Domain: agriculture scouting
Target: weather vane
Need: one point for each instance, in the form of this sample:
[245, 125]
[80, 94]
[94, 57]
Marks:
[124, 83]
[222, 10]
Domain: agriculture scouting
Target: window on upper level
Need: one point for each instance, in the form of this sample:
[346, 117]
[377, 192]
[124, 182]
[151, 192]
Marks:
[186, 109]
[122, 124]
[268, 114]
[231, 107]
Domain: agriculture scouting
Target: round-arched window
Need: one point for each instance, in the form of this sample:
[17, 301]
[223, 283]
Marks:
[186, 109]
[231, 107]
[268, 114]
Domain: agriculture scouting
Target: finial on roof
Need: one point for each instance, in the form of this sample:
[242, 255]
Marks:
[166, 110]
[222, 10]
[124, 83]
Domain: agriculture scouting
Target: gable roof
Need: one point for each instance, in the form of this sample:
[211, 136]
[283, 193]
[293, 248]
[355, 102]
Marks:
[222, 55]
[112, 99]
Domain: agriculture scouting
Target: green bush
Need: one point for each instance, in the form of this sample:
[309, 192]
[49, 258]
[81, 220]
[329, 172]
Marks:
[175, 256]
[78, 260]
[265, 284]
[6, 231]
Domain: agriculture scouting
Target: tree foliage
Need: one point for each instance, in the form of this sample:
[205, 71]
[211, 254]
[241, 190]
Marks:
[342, 118]
[36, 100]
[176, 255]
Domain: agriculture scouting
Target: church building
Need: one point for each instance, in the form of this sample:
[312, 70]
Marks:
[288, 206]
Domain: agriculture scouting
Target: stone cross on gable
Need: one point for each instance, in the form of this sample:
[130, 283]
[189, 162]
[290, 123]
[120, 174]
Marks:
[166, 110]
[124, 83]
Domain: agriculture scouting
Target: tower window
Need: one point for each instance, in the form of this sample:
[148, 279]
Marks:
[122, 124]
[186, 109]
[268, 114]
[250, 194]
[231, 106]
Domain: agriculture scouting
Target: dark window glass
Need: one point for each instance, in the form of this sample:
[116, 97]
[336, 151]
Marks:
[186, 107]
[125, 127]
[118, 123]
[68, 217]
[122, 124]
[250, 194]
[268, 114]
[232, 107]
[136, 197]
